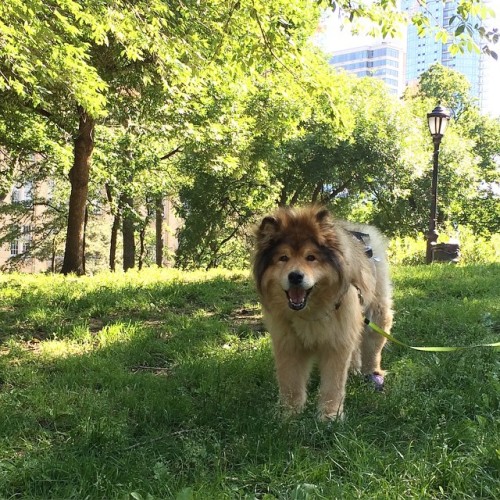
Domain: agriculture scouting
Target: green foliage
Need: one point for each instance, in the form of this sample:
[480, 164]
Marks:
[86, 51]
[30, 146]
[215, 226]
[482, 211]
[45, 48]
[237, 157]
[446, 87]
[226, 107]
[329, 143]
[468, 164]
[385, 134]
[143, 65]
[160, 384]
[304, 153]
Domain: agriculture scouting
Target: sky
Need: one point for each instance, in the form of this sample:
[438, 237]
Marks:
[332, 37]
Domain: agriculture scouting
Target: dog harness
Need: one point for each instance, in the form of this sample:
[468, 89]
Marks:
[376, 379]
[364, 238]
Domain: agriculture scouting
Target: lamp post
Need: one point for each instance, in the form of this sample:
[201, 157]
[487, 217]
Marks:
[438, 120]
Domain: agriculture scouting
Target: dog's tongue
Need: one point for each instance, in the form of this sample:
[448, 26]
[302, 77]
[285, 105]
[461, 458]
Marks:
[297, 295]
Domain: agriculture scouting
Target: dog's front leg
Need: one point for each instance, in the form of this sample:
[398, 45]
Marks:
[293, 365]
[333, 366]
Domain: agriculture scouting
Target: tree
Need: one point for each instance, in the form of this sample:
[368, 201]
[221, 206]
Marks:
[235, 151]
[468, 162]
[30, 151]
[335, 169]
[223, 187]
[293, 149]
[307, 122]
[64, 60]
[76, 65]
[481, 210]
[446, 87]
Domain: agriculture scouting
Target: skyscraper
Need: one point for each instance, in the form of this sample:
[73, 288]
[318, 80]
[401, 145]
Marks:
[422, 52]
[381, 60]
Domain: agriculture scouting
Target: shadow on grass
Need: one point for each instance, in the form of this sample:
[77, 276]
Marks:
[157, 388]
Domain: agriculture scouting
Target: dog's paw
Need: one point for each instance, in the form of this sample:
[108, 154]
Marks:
[377, 380]
[331, 413]
[288, 411]
[330, 418]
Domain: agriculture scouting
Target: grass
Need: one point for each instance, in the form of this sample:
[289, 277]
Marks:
[161, 385]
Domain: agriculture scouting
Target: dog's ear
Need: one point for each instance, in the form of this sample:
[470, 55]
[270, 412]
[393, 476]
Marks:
[266, 235]
[268, 227]
[322, 215]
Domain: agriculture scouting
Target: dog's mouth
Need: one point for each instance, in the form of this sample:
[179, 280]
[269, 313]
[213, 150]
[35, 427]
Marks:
[297, 297]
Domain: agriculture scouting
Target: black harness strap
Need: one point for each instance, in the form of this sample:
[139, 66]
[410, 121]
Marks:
[363, 238]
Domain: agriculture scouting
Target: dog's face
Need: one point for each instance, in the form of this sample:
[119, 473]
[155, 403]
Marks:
[297, 269]
[298, 260]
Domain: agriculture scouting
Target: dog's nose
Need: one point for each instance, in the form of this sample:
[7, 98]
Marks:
[295, 278]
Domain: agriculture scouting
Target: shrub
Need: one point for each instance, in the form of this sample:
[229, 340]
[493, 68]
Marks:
[474, 249]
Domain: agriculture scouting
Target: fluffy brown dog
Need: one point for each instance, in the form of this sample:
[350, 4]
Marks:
[317, 278]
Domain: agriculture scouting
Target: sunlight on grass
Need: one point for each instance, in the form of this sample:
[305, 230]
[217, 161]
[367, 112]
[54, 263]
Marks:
[161, 384]
[61, 349]
[118, 332]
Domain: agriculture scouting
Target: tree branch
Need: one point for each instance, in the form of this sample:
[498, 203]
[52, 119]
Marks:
[47, 114]
[47, 204]
[270, 48]
[235, 6]
[171, 153]
[341, 188]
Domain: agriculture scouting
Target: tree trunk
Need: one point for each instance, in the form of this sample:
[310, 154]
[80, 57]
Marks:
[317, 190]
[128, 233]
[146, 222]
[79, 179]
[114, 229]
[159, 230]
[113, 243]
[142, 245]
[53, 257]
[85, 224]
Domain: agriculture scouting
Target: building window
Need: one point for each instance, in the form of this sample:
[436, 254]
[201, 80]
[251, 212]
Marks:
[14, 248]
[28, 191]
[23, 243]
[27, 237]
[23, 193]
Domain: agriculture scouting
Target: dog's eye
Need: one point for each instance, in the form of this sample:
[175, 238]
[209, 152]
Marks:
[311, 257]
[283, 258]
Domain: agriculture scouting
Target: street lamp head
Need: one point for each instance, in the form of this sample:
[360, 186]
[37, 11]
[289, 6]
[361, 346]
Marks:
[438, 120]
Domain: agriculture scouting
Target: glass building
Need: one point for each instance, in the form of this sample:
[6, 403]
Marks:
[383, 61]
[423, 52]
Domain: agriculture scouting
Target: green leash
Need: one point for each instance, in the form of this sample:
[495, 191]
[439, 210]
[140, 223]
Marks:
[376, 328]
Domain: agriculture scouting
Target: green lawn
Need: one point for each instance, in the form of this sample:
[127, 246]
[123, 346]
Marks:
[161, 385]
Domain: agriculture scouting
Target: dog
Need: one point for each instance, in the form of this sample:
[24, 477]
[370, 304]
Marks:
[317, 279]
